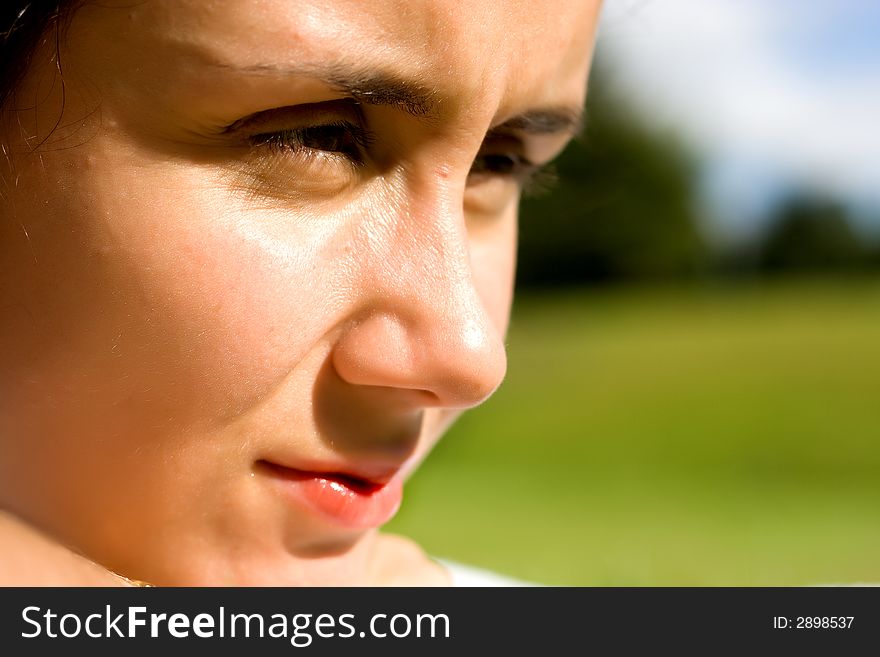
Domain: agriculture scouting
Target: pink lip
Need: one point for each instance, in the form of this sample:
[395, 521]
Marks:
[345, 499]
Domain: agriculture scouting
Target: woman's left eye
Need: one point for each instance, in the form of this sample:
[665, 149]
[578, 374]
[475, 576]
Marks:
[532, 179]
[503, 164]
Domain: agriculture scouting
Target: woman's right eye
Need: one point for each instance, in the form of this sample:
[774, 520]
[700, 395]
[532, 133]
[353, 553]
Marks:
[298, 163]
[338, 139]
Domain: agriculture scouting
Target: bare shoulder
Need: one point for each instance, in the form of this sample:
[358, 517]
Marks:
[29, 557]
[399, 561]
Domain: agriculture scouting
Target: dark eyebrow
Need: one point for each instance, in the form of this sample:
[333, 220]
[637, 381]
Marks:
[365, 86]
[378, 89]
[545, 122]
[372, 87]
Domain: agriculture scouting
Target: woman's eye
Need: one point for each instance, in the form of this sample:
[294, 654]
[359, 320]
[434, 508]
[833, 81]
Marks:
[341, 138]
[499, 164]
[532, 179]
[305, 163]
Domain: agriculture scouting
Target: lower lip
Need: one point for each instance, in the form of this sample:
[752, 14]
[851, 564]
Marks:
[340, 499]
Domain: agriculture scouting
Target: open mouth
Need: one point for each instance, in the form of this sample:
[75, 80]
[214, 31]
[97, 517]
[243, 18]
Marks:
[343, 498]
[356, 484]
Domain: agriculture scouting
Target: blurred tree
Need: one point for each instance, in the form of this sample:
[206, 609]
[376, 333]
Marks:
[622, 208]
[811, 234]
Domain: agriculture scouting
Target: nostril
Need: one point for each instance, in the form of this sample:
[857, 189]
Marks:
[433, 359]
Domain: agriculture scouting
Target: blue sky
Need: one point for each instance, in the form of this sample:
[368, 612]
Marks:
[771, 94]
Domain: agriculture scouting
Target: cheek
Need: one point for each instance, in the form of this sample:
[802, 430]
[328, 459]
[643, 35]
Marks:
[493, 265]
[239, 296]
[159, 298]
[152, 309]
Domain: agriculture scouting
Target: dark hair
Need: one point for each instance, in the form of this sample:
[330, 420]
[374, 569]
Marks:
[22, 23]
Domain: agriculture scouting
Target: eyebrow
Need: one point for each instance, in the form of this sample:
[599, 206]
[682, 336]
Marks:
[367, 87]
[377, 88]
[546, 121]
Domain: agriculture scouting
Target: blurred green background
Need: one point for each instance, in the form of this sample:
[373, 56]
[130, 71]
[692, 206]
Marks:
[670, 436]
[680, 409]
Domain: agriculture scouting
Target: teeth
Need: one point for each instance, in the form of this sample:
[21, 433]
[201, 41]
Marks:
[335, 485]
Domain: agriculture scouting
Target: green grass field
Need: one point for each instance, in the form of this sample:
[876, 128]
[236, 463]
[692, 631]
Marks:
[704, 436]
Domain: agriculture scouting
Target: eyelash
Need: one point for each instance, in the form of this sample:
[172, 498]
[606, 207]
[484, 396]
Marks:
[350, 141]
[532, 178]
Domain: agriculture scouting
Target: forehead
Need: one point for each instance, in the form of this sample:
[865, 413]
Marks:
[505, 53]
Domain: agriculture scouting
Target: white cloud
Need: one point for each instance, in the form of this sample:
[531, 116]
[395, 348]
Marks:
[741, 81]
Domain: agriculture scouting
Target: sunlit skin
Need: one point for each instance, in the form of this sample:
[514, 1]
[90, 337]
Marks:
[199, 277]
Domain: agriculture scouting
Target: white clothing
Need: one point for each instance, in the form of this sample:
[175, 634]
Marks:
[470, 576]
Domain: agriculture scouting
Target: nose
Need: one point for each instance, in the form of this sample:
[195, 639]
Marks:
[422, 328]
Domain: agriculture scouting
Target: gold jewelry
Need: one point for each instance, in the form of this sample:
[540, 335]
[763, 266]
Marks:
[134, 582]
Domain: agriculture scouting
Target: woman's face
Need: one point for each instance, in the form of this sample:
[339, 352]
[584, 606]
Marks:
[254, 259]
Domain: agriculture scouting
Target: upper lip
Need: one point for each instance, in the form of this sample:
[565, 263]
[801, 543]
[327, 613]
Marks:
[362, 474]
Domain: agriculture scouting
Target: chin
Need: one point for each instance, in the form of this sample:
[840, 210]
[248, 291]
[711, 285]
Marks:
[330, 561]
